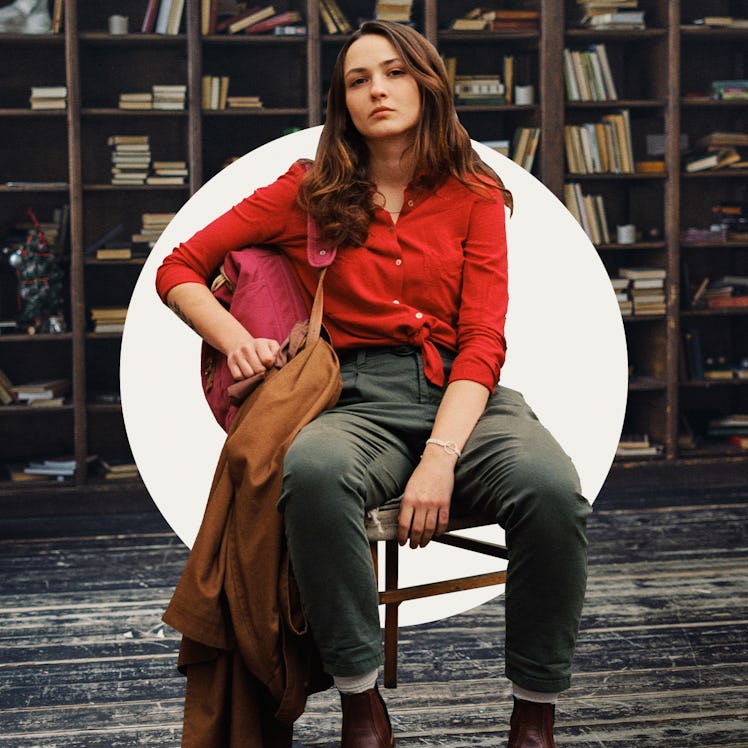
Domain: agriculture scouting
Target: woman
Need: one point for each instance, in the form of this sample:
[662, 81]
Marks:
[415, 305]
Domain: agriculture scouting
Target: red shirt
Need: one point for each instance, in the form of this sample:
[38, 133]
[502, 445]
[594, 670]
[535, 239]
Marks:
[436, 277]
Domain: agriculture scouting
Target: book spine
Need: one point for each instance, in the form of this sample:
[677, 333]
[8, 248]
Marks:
[162, 20]
[149, 19]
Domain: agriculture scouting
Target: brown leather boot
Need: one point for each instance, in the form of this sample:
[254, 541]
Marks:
[366, 723]
[531, 725]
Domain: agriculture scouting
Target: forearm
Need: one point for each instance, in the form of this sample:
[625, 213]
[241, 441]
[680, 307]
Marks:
[462, 405]
[424, 510]
[196, 306]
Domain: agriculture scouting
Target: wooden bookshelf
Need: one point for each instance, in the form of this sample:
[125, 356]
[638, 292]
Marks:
[61, 157]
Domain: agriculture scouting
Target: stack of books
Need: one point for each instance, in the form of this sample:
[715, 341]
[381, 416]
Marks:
[633, 446]
[244, 102]
[49, 97]
[139, 100]
[525, 146]
[153, 225]
[730, 90]
[646, 289]
[59, 469]
[479, 89]
[131, 159]
[244, 19]
[393, 10]
[610, 14]
[108, 319]
[589, 210]
[169, 97]
[621, 290]
[481, 19]
[115, 469]
[224, 16]
[727, 292]
[732, 219]
[587, 75]
[733, 427]
[50, 392]
[719, 150]
[333, 18]
[168, 173]
[600, 147]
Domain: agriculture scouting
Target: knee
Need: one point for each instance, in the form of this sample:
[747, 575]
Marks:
[546, 496]
[316, 476]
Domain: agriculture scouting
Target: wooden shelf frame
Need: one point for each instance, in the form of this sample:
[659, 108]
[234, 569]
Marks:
[664, 394]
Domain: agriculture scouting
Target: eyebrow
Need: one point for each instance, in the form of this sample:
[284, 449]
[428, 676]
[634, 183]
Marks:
[383, 64]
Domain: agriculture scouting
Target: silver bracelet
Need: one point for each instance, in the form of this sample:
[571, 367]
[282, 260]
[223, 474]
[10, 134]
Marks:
[449, 447]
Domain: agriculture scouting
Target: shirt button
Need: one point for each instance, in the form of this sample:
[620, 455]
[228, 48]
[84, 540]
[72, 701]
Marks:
[419, 315]
[395, 301]
[391, 229]
[323, 252]
[410, 203]
[398, 262]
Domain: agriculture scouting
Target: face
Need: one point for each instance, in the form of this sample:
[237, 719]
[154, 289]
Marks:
[382, 97]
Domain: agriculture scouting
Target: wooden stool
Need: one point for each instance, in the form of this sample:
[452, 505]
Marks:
[381, 526]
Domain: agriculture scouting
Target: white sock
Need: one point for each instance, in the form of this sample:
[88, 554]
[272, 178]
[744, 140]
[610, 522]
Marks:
[539, 697]
[356, 683]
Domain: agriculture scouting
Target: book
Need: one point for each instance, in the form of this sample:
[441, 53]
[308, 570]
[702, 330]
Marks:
[162, 18]
[693, 354]
[289, 17]
[103, 238]
[718, 140]
[249, 17]
[639, 273]
[57, 13]
[339, 20]
[7, 390]
[114, 253]
[42, 390]
[149, 18]
[712, 159]
[176, 10]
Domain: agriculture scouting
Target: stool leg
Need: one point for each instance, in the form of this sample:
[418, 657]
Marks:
[390, 615]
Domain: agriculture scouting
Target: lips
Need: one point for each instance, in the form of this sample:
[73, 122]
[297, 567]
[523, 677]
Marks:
[380, 110]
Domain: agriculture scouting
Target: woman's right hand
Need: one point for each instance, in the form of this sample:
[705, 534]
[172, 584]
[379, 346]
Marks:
[246, 356]
[252, 356]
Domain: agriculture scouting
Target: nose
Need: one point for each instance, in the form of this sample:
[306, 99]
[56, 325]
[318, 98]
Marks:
[378, 87]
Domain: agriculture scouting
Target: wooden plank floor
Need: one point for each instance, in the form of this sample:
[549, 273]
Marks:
[662, 657]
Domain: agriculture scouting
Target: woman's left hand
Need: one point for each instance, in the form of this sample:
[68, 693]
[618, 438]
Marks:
[424, 510]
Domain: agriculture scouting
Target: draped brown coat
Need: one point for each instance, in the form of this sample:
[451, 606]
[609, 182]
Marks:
[249, 659]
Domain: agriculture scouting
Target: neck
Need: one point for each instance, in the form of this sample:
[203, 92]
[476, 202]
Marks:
[389, 163]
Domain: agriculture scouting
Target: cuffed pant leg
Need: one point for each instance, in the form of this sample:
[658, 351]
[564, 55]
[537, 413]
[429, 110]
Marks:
[337, 467]
[515, 472]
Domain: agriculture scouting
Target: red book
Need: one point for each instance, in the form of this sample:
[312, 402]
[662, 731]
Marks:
[727, 302]
[281, 19]
[149, 19]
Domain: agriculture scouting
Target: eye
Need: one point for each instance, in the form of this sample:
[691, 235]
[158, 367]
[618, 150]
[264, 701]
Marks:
[354, 82]
[396, 72]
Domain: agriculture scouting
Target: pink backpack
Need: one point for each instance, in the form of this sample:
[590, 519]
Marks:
[257, 285]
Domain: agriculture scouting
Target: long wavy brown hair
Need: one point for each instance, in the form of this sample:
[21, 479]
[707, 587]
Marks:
[337, 190]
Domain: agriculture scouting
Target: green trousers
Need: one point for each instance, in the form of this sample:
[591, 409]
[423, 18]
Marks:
[361, 453]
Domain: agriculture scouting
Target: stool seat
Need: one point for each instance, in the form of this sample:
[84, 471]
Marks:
[381, 526]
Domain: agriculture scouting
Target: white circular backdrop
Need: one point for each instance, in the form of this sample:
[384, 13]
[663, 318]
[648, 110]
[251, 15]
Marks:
[566, 354]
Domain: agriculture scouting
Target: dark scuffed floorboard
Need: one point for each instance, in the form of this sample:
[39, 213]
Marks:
[662, 658]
